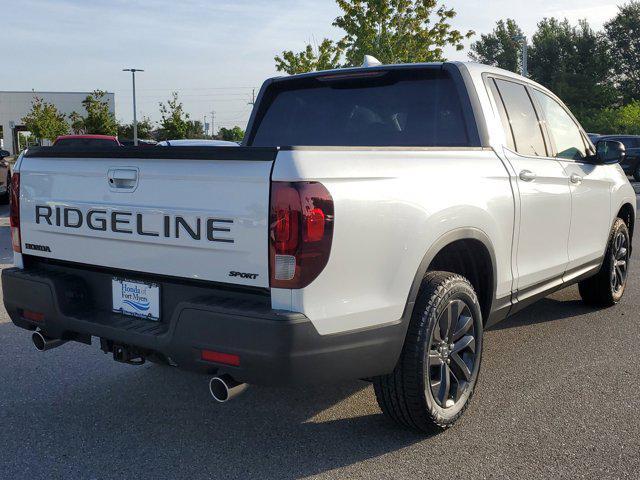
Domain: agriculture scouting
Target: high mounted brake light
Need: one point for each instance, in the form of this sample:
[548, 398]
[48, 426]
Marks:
[14, 212]
[301, 232]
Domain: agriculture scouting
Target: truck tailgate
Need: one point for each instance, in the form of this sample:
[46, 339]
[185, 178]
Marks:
[202, 216]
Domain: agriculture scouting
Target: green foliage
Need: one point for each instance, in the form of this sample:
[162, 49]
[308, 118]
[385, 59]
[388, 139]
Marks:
[393, 31]
[325, 57]
[77, 122]
[195, 129]
[574, 63]
[44, 120]
[629, 118]
[397, 31]
[623, 33]
[501, 48]
[621, 120]
[145, 129]
[99, 119]
[235, 134]
[174, 123]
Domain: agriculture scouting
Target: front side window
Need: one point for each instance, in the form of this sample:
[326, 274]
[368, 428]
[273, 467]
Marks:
[523, 119]
[563, 129]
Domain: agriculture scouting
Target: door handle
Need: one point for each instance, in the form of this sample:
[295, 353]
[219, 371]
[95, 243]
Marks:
[527, 176]
[123, 178]
[575, 178]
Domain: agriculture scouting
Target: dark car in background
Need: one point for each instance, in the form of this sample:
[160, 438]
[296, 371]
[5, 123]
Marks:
[593, 137]
[631, 163]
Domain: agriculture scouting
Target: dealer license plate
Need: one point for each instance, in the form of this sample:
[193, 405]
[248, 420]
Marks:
[138, 299]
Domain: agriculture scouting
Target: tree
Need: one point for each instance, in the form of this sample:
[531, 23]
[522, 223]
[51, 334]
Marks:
[77, 123]
[99, 118]
[174, 124]
[145, 129]
[623, 120]
[325, 56]
[500, 48]
[623, 33]
[44, 120]
[397, 31]
[235, 134]
[393, 31]
[574, 63]
[629, 118]
[195, 129]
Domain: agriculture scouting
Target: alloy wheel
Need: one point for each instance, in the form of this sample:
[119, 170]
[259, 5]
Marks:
[452, 354]
[620, 262]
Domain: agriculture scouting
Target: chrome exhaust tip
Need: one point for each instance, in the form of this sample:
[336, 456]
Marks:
[44, 343]
[224, 388]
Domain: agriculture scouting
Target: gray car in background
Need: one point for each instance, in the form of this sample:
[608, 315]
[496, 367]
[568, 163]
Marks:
[5, 177]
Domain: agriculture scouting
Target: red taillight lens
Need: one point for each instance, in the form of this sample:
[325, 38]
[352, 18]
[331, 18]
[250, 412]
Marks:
[314, 226]
[301, 232]
[14, 212]
[286, 224]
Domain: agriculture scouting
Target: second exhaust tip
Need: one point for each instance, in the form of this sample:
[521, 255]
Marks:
[224, 388]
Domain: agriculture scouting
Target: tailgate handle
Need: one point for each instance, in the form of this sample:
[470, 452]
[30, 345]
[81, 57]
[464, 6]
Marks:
[123, 178]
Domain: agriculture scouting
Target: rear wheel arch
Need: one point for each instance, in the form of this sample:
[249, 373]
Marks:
[628, 215]
[468, 252]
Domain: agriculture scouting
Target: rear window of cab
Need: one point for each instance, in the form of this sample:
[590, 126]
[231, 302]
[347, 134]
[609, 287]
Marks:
[394, 108]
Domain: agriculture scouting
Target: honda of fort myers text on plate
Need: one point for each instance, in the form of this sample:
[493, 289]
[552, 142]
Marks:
[373, 224]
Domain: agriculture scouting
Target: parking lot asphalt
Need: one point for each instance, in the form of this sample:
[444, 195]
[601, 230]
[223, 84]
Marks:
[559, 397]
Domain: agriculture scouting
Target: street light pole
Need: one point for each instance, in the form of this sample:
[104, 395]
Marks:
[135, 119]
[525, 54]
[525, 57]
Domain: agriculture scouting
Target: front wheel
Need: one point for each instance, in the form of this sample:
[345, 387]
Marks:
[607, 286]
[433, 382]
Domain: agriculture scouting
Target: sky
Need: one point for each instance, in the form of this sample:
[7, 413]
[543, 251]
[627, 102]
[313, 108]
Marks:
[213, 53]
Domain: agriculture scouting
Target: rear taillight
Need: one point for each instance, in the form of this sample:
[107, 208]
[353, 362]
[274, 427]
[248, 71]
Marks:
[14, 212]
[301, 231]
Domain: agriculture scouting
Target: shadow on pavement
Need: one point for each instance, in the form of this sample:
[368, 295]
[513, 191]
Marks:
[88, 414]
[546, 310]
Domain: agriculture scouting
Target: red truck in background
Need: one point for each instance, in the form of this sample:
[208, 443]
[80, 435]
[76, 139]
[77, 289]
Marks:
[87, 141]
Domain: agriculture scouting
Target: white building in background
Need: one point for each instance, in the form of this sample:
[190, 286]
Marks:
[14, 106]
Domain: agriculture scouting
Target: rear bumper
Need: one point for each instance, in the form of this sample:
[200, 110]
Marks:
[275, 347]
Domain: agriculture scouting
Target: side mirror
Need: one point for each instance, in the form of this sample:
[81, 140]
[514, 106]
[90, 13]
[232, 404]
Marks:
[609, 152]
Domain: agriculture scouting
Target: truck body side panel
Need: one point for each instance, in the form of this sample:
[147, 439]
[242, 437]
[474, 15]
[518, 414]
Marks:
[391, 205]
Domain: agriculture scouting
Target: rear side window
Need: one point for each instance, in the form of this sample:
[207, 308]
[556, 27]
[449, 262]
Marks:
[395, 108]
[504, 119]
[566, 133]
[524, 122]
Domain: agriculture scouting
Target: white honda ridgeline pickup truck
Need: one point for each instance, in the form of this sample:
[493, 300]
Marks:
[373, 224]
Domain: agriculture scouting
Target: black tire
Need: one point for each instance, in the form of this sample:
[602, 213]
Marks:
[407, 394]
[636, 173]
[607, 287]
[4, 198]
